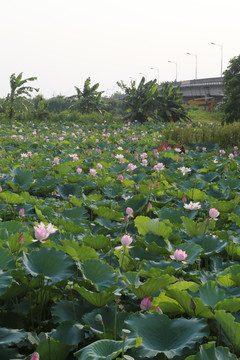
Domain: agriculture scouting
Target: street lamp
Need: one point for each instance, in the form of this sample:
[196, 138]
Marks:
[221, 46]
[157, 72]
[196, 63]
[173, 62]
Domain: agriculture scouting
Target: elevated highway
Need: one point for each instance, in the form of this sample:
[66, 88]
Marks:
[200, 88]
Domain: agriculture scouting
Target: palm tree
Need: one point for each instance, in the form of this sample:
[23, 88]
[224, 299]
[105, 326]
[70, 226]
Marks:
[19, 97]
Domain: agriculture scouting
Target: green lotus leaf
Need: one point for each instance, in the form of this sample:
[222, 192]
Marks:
[207, 177]
[149, 287]
[51, 349]
[75, 214]
[104, 349]
[22, 178]
[70, 227]
[224, 206]
[173, 215]
[193, 228]
[210, 293]
[232, 305]
[184, 299]
[230, 327]
[137, 203]
[68, 333]
[66, 310]
[196, 195]
[6, 265]
[98, 299]
[53, 264]
[103, 211]
[96, 242]
[160, 335]
[234, 218]
[11, 198]
[229, 184]
[69, 189]
[13, 227]
[209, 351]
[141, 224]
[108, 318]
[168, 267]
[78, 252]
[63, 169]
[210, 244]
[99, 273]
[11, 336]
[161, 228]
[167, 305]
[108, 224]
[112, 191]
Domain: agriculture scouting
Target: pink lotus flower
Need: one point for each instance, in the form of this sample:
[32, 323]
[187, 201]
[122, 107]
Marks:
[129, 212]
[21, 212]
[56, 160]
[179, 255]
[126, 241]
[21, 239]
[99, 166]
[35, 356]
[146, 304]
[0, 188]
[93, 172]
[79, 170]
[159, 167]
[131, 167]
[42, 232]
[120, 177]
[214, 213]
[149, 207]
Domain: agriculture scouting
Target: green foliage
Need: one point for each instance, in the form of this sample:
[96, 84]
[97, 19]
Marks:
[231, 80]
[88, 100]
[18, 99]
[169, 104]
[139, 100]
[149, 101]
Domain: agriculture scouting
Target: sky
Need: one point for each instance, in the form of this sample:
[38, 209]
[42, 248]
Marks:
[63, 42]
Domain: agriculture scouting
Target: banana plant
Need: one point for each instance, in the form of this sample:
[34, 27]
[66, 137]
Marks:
[19, 97]
[139, 100]
[88, 99]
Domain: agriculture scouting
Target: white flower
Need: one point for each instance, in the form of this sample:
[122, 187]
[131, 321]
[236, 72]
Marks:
[119, 156]
[193, 206]
[184, 170]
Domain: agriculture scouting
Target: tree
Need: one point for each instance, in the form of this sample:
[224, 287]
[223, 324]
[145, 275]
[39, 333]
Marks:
[169, 104]
[89, 99]
[150, 101]
[139, 100]
[231, 80]
[19, 97]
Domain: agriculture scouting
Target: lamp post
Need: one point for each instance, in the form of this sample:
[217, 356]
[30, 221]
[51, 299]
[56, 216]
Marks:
[157, 72]
[173, 62]
[221, 46]
[196, 63]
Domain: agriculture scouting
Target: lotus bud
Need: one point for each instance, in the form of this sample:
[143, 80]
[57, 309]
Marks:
[158, 310]
[192, 304]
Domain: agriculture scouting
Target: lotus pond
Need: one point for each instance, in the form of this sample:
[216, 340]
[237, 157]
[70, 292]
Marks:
[114, 244]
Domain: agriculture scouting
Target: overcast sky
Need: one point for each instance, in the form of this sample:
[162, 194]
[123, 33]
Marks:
[62, 42]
